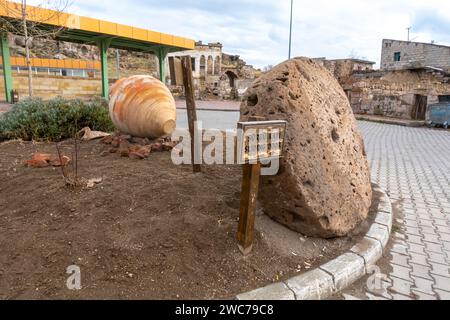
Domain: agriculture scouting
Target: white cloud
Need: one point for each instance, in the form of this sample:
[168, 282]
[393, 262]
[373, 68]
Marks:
[258, 30]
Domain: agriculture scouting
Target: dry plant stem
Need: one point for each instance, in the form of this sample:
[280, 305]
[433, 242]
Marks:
[76, 158]
[61, 161]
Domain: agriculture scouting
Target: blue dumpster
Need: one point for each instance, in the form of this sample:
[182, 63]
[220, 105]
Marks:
[439, 115]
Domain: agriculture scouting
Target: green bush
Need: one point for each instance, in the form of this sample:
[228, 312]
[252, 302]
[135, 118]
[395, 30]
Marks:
[54, 120]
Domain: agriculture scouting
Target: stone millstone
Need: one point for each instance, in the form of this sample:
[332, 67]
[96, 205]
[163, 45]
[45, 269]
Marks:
[323, 188]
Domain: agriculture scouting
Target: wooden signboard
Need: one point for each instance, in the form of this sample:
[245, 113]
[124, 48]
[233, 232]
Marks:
[258, 142]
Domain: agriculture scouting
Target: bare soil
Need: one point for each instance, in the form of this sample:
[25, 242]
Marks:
[150, 230]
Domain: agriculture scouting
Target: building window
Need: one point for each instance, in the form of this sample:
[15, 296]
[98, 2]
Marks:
[397, 56]
[202, 66]
[444, 99]
[193, 64]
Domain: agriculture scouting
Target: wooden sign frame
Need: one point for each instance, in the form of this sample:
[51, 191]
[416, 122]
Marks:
[251, 177]
[269, 126]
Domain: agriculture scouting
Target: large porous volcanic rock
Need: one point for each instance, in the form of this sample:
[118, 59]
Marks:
[323, 188]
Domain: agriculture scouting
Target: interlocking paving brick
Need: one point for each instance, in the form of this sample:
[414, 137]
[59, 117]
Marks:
[431, 238]
[443, 295]
[400, 297]
[423, 296]
[427, 230]
[444, 236]
[421, 271]
[441, 222]
[437, 257]
[401, 286]
[441, 283]
[412, 223]
[440, 269]
[414, 239]
[401, 272]
[423, 285]
[399, 248]
[446, 245]
[426, 223]
[380, 288]
[413, 231]
[418, 259]
[377, 298]
[416, 248]
[400, 259]
[406, 163]
[433, 247]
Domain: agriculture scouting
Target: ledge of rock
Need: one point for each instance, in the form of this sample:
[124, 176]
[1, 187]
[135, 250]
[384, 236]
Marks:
[323, 188]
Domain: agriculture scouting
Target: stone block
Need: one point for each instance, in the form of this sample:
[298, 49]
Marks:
[314, 285]
[276, 291]
[345, 269]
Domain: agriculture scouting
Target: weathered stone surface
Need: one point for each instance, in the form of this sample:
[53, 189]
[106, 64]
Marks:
[276, 291]
[323, 188]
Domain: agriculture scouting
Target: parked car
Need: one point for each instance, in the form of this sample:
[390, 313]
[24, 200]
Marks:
[439, 115]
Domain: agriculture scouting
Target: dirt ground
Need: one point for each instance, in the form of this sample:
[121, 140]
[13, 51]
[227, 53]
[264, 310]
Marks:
[149, 230]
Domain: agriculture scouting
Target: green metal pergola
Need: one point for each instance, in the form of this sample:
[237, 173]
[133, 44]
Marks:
[103, 34]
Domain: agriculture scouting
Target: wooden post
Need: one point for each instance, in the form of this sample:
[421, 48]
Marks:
[249, 196]
[191, 109]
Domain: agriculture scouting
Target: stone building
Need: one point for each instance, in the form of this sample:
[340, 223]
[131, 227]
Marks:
[404, 94]
[217, 74]
[342, 69]
[412, 77]
[406, 55]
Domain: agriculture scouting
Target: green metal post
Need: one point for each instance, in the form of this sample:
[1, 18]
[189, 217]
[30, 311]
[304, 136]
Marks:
[162, 54]
[104, 46]
[7, 73]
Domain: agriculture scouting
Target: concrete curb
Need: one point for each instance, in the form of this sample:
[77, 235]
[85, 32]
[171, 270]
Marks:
[391, 121]
[339, 273]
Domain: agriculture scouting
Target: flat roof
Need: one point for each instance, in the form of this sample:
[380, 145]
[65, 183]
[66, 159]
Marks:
[415, 42]
[347, 59]
[89, 31]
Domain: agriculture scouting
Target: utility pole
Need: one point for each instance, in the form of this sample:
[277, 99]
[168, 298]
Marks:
[290, 30]
[409, 33]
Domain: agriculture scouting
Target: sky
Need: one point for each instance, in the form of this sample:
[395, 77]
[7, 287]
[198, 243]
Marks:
[258, 30]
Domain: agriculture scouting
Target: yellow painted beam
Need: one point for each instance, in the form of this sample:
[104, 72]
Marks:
[55, 63]
[75, 22]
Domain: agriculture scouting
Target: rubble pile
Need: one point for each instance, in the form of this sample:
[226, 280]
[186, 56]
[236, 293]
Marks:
[136, 148]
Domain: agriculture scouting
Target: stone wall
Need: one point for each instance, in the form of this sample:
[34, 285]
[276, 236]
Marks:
[414, 54]
[207, 59]
[216, 74]
[48, 87]
[394, 93]
[342, 69]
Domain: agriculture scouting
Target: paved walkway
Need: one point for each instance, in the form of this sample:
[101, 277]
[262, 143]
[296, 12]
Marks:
[386, 120]
[413, 166]
[214, 105]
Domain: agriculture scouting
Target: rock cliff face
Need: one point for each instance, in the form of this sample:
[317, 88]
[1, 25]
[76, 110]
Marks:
[323, 188]
[131, 63]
